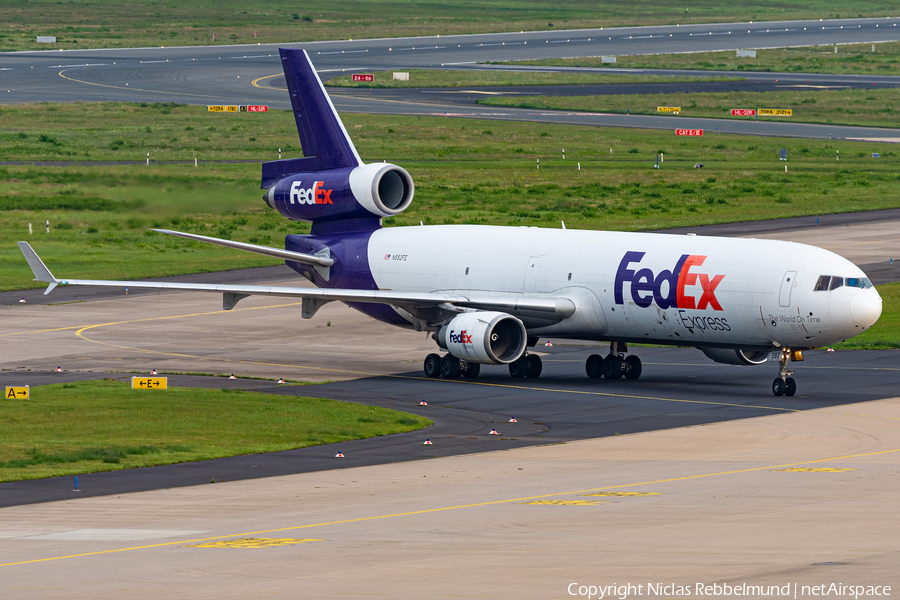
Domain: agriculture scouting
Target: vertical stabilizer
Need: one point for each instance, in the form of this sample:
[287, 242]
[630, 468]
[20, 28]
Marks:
[322, 133]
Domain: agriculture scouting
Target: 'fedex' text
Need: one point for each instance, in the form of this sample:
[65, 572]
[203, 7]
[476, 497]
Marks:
[667, 288]
[314, 195]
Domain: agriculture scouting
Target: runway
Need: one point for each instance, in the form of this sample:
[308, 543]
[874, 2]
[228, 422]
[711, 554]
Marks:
[241, 74]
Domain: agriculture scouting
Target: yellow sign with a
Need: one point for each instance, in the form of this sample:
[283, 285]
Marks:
[776, 112]
[668, 109]
[148, 383]
[17, 392]
[222, 108]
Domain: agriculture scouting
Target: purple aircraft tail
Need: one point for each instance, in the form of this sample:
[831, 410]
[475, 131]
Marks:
[325, 142]
[330, 186]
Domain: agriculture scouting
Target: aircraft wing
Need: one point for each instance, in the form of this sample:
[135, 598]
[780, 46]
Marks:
[553, 309]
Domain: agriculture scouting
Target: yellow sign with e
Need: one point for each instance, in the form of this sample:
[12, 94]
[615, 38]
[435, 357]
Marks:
[149, 383]
[222, 108]
[17, 392]
[776, 112]
[668, 109]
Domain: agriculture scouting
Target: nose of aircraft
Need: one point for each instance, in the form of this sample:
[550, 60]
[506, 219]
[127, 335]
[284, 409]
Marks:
[865, 308]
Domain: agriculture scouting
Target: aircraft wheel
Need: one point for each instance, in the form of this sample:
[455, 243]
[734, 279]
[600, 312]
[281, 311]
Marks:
[533, 366]
[594, 366]
[518, 368]
[790, 386]
[472, 370]
[612, 367]
[449, 367]
[433, 365]
[778, 387]
[633, 367]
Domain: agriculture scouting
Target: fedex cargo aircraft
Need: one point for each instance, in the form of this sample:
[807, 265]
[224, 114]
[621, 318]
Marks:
[489, 293]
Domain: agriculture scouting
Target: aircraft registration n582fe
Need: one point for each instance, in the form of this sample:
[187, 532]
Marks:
[489, 293]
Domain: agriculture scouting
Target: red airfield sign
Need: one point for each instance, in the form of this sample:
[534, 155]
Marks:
[688, 132]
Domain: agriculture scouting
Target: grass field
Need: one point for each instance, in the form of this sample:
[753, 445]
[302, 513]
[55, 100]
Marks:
[466, 171]
[88, 427]
[455, 78]
[130, 23]
[852, 58]
[870, 107]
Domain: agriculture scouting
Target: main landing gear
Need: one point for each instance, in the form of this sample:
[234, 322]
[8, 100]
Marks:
[528, 365]
[450, 367]
[613, 366]
[784, 385]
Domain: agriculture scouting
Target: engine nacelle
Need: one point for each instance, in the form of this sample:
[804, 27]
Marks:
[736, 357]
[377, 189]
[484, 337]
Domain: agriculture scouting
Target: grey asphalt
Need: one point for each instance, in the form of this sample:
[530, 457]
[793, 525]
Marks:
[679, 388]
[226, 74]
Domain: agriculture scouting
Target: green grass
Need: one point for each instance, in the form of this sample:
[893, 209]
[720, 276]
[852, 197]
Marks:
[111, 23]
[852, 58]
[463, 78]
[88, 427]
[869, 107]
[885, 334]
[466, 171]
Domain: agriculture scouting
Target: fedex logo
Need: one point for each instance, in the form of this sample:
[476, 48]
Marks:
[314, 195]
[460, 338]
[667, 288]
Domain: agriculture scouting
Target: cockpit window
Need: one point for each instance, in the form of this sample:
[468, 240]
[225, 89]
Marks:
[830, 282]
[858, 282]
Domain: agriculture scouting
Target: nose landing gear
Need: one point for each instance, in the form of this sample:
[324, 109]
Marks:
[784, 384]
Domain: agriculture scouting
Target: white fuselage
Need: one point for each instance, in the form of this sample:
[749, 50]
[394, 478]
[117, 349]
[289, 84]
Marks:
[728, 292]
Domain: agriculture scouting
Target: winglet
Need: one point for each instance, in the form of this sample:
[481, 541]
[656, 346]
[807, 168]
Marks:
[40, 270]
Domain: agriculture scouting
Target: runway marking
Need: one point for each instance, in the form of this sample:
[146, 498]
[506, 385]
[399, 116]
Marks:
[565, 502]
[131, 89]
[624, 494]
[254, 543]
[41, 330]
[256, 81]
[814, 470]
[457, 507]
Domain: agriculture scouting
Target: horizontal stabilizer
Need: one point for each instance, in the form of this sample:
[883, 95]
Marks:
[306, 259]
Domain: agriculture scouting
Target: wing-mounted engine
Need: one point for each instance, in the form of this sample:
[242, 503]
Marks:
[736, 357]
[330, 182]
[484, 337]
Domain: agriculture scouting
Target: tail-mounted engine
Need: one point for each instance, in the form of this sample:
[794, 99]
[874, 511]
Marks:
[377, 189]
[484, 337]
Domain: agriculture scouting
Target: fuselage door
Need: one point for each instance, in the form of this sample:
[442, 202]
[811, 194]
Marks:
[534, 264]
[787, 284]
